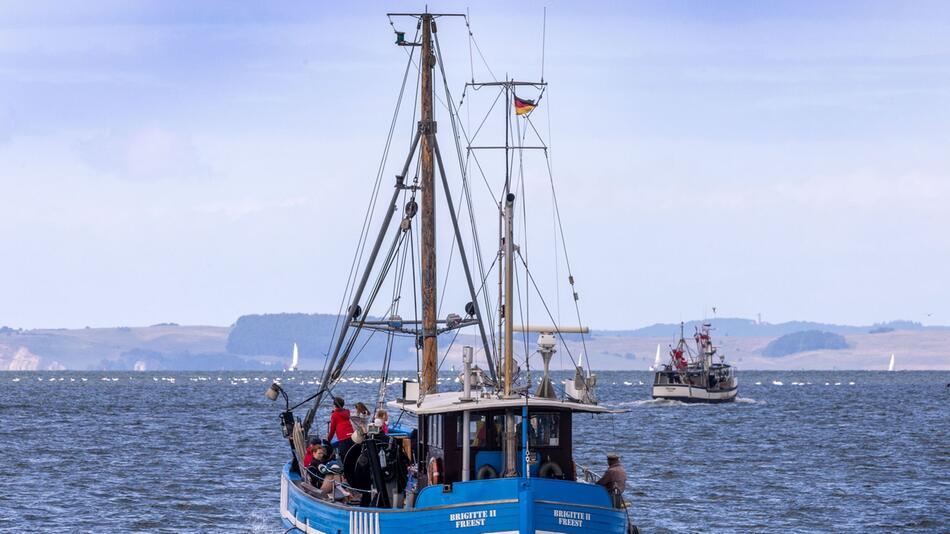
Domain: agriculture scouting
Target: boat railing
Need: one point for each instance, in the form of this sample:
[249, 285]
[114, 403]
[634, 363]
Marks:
[590, 477]
[331, 494]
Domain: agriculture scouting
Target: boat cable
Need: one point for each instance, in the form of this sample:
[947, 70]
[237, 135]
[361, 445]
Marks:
[364, 235]
[544, 32]
[560, 224]
[484, 281]
[415, 293]
[466, 189]
[394, 309]
[471, 60]
[546, 308]
[377, 286]
[524, 308]
[479, 50]
[397, 245]
[466, 195]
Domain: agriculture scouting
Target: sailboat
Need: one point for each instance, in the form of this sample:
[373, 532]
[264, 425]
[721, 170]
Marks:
[890, 366]
[494, 457]
[656, 359]
[695, 377]
[293, 363]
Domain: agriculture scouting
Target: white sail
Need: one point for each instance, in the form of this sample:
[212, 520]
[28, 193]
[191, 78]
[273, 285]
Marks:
[890, 366]
[656, 361]
[293, 364]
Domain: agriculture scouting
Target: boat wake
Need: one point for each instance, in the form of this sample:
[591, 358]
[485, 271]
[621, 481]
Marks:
[261, 521]
[670, 402]
[747, 400]
[655, 402]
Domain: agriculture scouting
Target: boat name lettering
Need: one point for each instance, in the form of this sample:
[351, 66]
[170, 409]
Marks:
[570, 518]
[472, 519]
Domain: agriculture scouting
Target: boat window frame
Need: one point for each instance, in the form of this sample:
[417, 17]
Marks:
[533, 438]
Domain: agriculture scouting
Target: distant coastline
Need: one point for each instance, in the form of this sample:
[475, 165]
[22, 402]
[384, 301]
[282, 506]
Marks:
[263, 342]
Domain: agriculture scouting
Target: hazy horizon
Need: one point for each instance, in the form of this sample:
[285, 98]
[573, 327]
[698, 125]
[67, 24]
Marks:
[191, 163]
[624, 328]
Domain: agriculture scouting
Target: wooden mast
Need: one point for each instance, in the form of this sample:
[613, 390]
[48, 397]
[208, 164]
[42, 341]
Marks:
[430, 347]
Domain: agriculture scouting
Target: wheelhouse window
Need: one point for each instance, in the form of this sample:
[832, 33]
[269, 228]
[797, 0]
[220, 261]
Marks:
[434, 430]
[477, 430]
[544, 430]
[498, 421]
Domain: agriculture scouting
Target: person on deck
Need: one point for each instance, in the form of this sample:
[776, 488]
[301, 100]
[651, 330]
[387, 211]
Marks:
[614, 479]
[311, 447]
[341, 427]
[333, 486]
[319, 456]
[360, 417]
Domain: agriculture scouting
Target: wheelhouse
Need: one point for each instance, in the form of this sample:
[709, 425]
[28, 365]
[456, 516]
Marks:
[440, 441]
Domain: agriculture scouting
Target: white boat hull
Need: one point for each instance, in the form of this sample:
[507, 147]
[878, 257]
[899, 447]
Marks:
[685, 393]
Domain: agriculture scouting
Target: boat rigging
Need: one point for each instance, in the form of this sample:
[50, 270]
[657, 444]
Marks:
[465, 444]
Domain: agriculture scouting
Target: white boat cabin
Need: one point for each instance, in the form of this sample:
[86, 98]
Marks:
[439, 441]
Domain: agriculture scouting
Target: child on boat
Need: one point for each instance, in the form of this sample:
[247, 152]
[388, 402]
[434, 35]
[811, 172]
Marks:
[341, 427]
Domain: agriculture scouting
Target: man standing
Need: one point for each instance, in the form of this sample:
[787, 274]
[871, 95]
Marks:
[614, 479]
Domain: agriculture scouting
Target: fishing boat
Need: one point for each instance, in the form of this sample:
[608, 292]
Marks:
[694, 376]
[496, 456]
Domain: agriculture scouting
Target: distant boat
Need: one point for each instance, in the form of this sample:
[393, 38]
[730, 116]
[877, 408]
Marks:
[890, 366]
[696, 377]
[656, 360]
[293, 364]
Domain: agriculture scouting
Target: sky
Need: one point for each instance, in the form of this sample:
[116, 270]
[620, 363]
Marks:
[192, 162]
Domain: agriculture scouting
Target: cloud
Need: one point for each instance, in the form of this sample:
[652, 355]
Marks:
[144, 155]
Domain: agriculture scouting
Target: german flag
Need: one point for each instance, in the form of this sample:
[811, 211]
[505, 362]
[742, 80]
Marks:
[524, 106]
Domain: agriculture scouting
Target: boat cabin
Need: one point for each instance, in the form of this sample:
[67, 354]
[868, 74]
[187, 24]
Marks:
[440, 442]
[718, 375]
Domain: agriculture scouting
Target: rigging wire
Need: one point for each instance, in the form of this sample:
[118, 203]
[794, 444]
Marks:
[413, 236]
[545, 304]
[524, 308]
[477, 48]
[471, 62]
[367, 218]
[464, 164]
[466, 190]
[394, 310]
[544, 31]
[560, 225]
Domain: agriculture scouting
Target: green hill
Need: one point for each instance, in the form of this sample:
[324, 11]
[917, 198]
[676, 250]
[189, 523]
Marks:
[804, 341]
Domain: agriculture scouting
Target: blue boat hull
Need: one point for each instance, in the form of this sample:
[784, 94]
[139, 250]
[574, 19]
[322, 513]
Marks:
[497, 506]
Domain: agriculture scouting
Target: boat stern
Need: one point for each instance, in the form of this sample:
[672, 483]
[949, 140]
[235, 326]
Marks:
[501, 505]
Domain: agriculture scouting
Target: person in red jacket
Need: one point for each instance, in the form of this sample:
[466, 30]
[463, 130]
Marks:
[341, 427]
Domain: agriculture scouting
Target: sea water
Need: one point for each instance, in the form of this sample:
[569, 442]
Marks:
[799, 451]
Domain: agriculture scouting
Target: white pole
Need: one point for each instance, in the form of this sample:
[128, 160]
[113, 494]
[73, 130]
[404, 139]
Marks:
[466, 415]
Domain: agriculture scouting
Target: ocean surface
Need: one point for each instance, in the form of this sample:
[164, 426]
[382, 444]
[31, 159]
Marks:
[800, 451]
